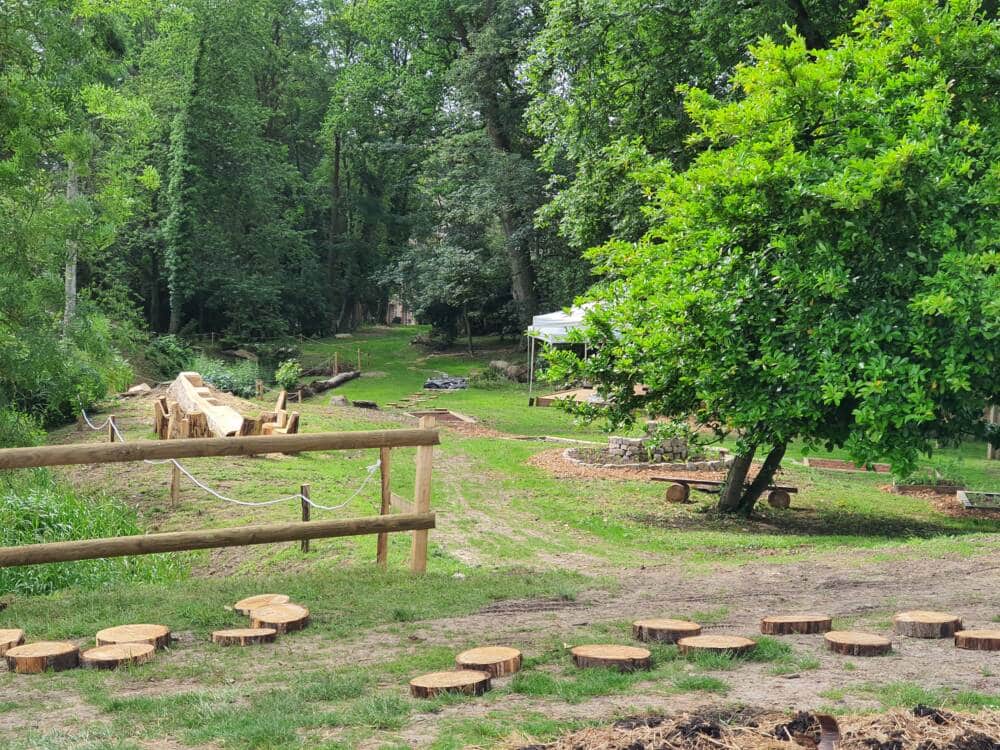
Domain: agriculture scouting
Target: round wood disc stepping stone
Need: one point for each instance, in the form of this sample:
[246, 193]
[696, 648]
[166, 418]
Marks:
[622, 658]
[662, 630]
[244, 636]
[497, 661]
[248, 605]
[10, 638]
[857, 644]
[923, 624]
[467, 681]
[117, 655]
[978, 640]
[720, 644]
[156, 635]
[34, 658]
[283, 618]
[795, 624]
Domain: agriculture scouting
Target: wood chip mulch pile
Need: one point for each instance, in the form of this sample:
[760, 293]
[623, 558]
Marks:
[923, 728]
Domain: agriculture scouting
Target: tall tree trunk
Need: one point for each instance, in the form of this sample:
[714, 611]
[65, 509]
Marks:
[736, 477]
[154, 289]
[336, 229]
[814, 38]
[468, 327]
[522, 272]
[763, 479]
[72, 253]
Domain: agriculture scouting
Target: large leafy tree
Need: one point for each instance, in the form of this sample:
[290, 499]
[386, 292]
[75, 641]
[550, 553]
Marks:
[826, 268]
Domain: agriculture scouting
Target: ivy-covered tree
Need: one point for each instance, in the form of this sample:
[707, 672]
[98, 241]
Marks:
[827, 268]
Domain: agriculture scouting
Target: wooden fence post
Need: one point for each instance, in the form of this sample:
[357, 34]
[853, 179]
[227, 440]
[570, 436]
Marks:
[111, 428]
[175, 485]
[359, 359]
[382, 543]
[336, 363]
[260, 388]
[422, 498]
[305, 512]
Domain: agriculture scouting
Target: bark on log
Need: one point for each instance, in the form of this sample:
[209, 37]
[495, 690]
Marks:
[9, 638]
[244, 636]
[248, 605]
[496, 661]
[678, 493]
[857, 644]
[924, 624]
[465, 681]
[157, 636]
[779, 499]
[661, 630]
[283, 618]
[321, 386]
[35, 658]
[728, 644]
[978, 640]
[622, 658]
[795, 624]
[117, 655]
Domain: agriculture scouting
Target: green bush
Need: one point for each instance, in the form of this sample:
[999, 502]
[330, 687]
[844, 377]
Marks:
[239, 378]
[35, 508]
[18, 430]
[288, 373]
[169, 355]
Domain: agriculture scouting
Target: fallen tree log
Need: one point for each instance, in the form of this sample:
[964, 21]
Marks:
[321, 386]
[191, 395]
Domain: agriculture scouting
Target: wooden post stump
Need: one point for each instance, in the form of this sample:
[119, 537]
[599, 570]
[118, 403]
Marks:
[248, 605]
[662, 630]
[857, 644]
[978, 640]
[284, 618]
[779, 499]
[117, 655]
[466, 681]
[720, 644]
[175, 484]
[622, 658]
[306, 508]
[795, 624]
[924, 624]
[156, 635]
[9, 638]
[678, 493]
[244, 636]
[496, 661]
[35, 658]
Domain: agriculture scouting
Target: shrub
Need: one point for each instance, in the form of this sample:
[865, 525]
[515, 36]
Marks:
[18, 430]
[169, 355]
[288, 373]
[239, 378]
[35, 508]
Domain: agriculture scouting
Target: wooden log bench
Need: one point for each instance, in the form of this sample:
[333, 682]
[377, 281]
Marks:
[778, 495]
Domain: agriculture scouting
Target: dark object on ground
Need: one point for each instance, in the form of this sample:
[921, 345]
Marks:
[364, 404]
[696, 726]
[321, 386]
[929, 712]
[892, 744]
[446, 383]
[803, 724]
[639, 721]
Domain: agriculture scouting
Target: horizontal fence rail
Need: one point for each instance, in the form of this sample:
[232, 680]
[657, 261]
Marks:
[179, 541]
[64, 455]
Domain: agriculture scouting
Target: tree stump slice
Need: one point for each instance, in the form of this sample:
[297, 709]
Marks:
[924, 624]
[466, 681]
[9, 639]
[248, 605]
[850, 643]
[496, 661]
[662, 630]
[283, 618]
[678, 493]
[622, 658]
[978, 640]
[779, 499]
[244, 636]
[35, 658]
[156, 635]
[720, 644]
[118, 655]
[806, 624]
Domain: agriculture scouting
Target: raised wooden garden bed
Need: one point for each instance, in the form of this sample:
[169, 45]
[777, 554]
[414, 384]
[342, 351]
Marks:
[980, 500]
[920, 489]
[840, 465]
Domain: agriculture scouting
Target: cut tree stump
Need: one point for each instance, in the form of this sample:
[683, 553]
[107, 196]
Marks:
[244, 636]
[248, 605]
[720, 644]
[924, 624]
[117, 655]
[156, 635]
[678, 493]
[622, 658]
[35, 658]
[978, 640]
[467, 681]
[806, 624]
[10, 638]
[779, 499]
[850, 643]
[663, 630]
[284, 618]
[496, 661]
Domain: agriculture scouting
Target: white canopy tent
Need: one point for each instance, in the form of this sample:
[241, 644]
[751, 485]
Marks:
[555, 328]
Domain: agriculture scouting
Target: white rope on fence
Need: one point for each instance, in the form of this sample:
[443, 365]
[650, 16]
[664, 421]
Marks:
[297, 496]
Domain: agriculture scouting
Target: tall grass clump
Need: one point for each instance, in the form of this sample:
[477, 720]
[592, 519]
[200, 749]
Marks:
[239, 378]
[35, 507]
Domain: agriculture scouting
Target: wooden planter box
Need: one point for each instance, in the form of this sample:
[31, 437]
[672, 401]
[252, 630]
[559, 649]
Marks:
[939, 489]
[980, 500]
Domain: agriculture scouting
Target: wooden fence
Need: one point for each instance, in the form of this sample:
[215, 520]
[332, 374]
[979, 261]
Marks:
[417, 519]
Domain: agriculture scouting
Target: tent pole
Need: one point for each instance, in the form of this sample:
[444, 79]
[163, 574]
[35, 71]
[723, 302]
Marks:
[531, 365]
